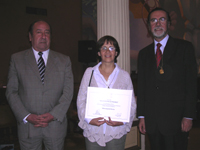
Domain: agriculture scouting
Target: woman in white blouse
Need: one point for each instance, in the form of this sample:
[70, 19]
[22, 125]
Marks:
[101, 134]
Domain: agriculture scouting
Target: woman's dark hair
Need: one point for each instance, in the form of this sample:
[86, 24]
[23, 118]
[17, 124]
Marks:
[111, 40]
[158, 9]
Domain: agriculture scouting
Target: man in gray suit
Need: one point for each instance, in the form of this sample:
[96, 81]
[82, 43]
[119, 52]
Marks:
[40, 99]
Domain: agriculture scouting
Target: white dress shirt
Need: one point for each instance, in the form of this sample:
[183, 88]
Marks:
[163, 43]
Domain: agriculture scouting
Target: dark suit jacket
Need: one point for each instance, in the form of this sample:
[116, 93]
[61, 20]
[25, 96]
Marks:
[26, 93]
[164, 99]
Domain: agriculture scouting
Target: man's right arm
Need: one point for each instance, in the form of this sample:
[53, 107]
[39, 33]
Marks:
[12, 92]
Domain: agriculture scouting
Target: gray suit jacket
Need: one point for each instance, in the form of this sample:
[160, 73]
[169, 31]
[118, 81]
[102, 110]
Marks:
[26, 93]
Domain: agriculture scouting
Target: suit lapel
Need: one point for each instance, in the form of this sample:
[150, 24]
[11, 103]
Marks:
[151, 56]
[30, 60]
[168, 52]
[169, 49]
[52, 60]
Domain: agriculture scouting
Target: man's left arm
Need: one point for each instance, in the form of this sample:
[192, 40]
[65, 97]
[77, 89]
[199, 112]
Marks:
[60, 110]
[191, 88]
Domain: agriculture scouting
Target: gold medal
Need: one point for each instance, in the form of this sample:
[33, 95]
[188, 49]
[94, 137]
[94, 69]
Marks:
[161, 71]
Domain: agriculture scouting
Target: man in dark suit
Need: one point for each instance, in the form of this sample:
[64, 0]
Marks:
[39, 91]
[167, 74]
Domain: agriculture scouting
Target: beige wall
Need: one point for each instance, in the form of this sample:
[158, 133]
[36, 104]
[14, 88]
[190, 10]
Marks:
[64, 17]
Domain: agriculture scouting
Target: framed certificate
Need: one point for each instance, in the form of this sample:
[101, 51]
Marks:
[113, 103]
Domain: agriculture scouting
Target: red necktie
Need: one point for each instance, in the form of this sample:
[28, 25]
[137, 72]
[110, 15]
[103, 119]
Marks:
[158, 54]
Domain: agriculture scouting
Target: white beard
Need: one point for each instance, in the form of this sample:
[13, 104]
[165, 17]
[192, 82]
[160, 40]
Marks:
[159, 35]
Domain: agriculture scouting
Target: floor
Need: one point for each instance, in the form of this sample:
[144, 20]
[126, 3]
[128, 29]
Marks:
[75, 140]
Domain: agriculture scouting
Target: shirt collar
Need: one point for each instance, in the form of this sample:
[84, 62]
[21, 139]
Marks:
[44, 56]
[163, 42]
[44, 52]
[97, 67]
[101, 82]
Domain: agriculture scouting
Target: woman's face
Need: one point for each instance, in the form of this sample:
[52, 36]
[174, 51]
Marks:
[107, 53]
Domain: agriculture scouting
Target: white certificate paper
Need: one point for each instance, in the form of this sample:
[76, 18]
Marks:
[113, 103]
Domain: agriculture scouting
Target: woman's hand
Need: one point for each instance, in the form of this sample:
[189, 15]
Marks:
[97, 121]
[113, 123]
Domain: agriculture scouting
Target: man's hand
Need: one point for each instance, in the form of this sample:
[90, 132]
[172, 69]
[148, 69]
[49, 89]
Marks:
[113, 123]
[44, 120]
[142, 126]
[186, 124]
[97, 121]
[40, 120]
[34, 119]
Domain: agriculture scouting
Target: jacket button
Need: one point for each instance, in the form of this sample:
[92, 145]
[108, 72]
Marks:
[157, 87]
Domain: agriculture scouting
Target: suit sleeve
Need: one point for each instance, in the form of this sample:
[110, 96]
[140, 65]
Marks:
[12, 92]
[60, 110]
[191, 82]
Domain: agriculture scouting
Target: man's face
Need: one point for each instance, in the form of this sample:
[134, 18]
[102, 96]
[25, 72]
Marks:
[41, 36]
[159, 24]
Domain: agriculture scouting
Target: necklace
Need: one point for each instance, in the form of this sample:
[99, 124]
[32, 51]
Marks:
[161, 68]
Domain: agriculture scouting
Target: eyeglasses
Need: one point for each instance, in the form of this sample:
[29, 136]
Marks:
[111, 48]
[161, 20]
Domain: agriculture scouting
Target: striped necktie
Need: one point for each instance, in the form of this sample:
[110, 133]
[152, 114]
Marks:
[41, 66]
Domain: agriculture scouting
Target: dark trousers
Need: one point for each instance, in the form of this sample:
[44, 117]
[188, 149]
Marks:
[179, 141]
